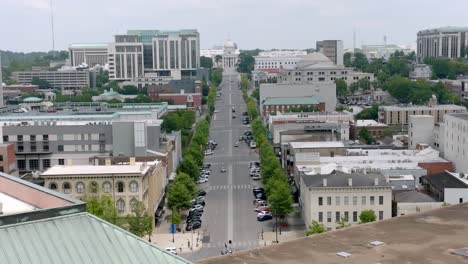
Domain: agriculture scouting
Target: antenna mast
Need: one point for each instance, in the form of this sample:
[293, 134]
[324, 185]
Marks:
[52, 25]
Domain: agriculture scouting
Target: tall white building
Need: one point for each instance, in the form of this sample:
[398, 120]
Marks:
[279, 59]
[333, 49]
[174, 54]
[448, 42]
[90, 54]
[331, 198]
[456, 140]
[420, 130]
[383, 51]
[230, 56]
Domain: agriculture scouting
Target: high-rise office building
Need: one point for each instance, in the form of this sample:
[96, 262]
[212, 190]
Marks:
[91, 54]
[333, 49]
[448, 42]
[174, 54]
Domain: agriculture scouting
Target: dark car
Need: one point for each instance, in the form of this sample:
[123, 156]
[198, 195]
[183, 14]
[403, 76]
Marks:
[248, 133]
[193, 219]
[193, 226]
[244, 113]
[201, 202]
[201, 193]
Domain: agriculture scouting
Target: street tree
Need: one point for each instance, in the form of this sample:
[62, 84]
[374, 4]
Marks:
[175, 217]
[316, 228]
[178, 196]
[365, 136]
[189, 184]
[280, 199]
[189, 166]
[102, 207]
[341, 87]
[367, 216]
[140, 223]
[206, 62]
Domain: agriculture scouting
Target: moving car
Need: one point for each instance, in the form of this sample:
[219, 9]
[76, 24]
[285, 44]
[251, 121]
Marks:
[201, 193]
[236, 144]
[223, 169]
[208, 152]
[233, 117]
[264, 216]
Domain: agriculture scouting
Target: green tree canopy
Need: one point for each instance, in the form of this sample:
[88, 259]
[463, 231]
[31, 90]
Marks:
[367, 216]
[206, 62]
[102, 207]
[140, 223]
[280, 199]
[43, 84]
[369, 113]
[365, 136]
[178, 197]
[188, 182]
[341, 87]
[189, 166]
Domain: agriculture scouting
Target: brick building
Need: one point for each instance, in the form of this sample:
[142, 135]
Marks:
[8, 159]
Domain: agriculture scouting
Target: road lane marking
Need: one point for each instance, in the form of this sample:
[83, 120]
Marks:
[230, 224]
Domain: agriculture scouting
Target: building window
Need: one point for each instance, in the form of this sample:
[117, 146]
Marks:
[60, 147]
[381, 200]
[363, 200]
[133, 187]
[45, 163]
[45, 137]
[66, 187]
[320, 217]
[354, 216]
[33, 148]
[372, 200]
[120, 205]
[61, 161]
[346, 216]
[107, 187]
[328, 200]
[346, 200]
[93, 187]
[320, 201]
[21, 164]
[337, 200]
[34, 164]
[380, 215]
[133, 203]
[33, 137]
[355, 200]
[120, 187]
[80, 187]
[329, 217]
[1, 157]
[53, 186]
[20, 149]
[5, 139]
[20, 138]
[460, 200]
[337, 217]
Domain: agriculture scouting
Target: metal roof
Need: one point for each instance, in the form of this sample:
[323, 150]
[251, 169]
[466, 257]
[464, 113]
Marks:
[78, 238]
[340, 179]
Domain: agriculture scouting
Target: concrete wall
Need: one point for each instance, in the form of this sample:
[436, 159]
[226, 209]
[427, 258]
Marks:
[123, 139]
[456, 142]
[453, 195]
[411, 208]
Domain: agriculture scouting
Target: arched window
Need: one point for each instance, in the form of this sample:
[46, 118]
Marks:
[107, 187]
[133, 187]
[80, 187]
[133, 202]
[121, 205]
[66, 187]
[120, 187]
[93, 187]
[53, 186]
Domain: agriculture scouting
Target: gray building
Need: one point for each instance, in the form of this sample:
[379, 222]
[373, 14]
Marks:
[42, 141]
[333, 49]
[91, 54]
[174, 54]
[447, 42]
[62, 80]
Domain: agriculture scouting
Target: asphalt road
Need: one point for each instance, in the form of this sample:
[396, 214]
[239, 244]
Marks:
[229, 206]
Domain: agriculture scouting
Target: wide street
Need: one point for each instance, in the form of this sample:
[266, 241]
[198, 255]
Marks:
[229, 206]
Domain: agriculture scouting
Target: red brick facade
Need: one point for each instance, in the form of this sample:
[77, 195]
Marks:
[181, 99]
[8, 159]
[436, 167]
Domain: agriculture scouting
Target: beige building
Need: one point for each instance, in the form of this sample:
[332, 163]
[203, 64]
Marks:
[399, 115]
[330, 198]
[125, 183]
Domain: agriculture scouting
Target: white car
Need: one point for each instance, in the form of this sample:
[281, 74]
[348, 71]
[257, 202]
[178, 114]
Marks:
[223, 169]
[202, 180]
[216, 111]
[171, 250]
[208, 152]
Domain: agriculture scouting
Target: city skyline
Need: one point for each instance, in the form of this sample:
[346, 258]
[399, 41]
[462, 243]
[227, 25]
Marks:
[297, 19]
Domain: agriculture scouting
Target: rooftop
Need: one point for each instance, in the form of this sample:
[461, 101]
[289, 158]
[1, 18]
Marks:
[317, 144]
[425, 107]
[413, 196]
[341, 179]
[445, 180]
[89, 46]
[140, 168]
[313, 100]
[77, 238]
[369, 123]
[11, 205]
[463, 116]
[427, 237]
[445, 29]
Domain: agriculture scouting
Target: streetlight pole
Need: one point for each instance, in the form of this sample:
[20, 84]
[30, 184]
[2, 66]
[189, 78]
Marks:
[276, 229]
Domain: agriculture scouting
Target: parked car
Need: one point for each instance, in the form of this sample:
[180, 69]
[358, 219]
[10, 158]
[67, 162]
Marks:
[202, 180]
[208, 152]
[264, 216]
[253, 145]
[206, 165]
[193, 226]
[236, 144]
[201, 193]
[198, 202]
[261, 208]
[196, 207]
[254, 164]
[256, 177]
[245, 113]
[171, 250]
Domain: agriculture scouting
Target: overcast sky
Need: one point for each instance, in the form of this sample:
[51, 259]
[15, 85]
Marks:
[25, 24]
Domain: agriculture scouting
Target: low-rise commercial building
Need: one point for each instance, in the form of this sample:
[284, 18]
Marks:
[399, 115]
[124, 183]
[410, 202]
[313, 150]
[271, 106]
[66, 81]
[447, 187]
[339, 197]
[376, 129]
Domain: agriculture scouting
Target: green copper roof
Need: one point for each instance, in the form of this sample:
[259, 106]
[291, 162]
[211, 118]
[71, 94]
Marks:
[75, 239]
[292, 101]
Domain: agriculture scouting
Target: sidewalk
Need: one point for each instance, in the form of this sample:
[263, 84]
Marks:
[162, 236]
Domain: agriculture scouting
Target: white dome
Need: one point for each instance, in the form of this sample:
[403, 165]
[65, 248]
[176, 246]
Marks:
[314, 58]
[229, 44]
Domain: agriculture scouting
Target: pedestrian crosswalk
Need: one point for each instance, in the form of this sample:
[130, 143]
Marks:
[236, 245]
[231, 187]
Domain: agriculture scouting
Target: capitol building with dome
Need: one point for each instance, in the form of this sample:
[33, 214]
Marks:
[230, 55]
